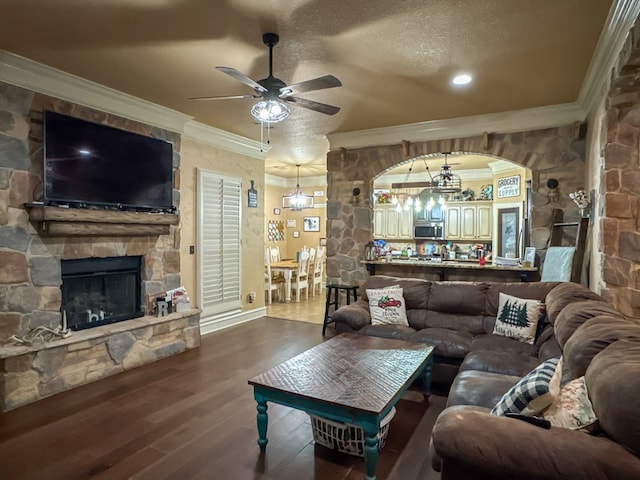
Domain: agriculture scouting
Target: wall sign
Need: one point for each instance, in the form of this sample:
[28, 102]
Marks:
[509, 186]
[252, 197]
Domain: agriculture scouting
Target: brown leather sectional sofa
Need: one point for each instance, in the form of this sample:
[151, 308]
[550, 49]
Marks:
[467, 442]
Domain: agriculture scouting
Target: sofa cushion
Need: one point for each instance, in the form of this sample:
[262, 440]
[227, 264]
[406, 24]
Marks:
[447, 343]
[398, 332]
[591, 338]
[387, 306]
[466, 298]
[517, 318]
[533, 392]
[488, 341]
[355, 315]
[575, 314]
[505, 363]
[613, 384]
[564, 294]
[482, 389]
[473, 324]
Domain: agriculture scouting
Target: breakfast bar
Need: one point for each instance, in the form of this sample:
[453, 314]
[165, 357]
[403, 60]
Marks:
[452, 270]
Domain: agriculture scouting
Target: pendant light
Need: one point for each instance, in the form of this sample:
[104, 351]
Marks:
[446, 181]
[297, 200]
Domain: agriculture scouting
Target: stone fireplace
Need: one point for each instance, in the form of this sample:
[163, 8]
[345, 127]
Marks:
[38, 245]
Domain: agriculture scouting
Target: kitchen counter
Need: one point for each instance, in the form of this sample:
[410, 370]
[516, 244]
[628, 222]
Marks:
[469, 270]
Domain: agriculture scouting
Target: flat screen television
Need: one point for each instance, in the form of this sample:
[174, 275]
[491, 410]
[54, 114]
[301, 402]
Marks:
[87, 164]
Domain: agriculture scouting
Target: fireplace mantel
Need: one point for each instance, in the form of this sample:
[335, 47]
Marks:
[69, 222]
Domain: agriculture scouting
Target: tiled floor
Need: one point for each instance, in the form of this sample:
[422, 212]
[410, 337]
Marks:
[311, 310]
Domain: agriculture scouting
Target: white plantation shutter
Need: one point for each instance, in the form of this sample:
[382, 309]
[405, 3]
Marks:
[219, 216]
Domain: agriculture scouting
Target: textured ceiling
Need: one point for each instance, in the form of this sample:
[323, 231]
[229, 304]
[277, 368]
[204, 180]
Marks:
[394, 59]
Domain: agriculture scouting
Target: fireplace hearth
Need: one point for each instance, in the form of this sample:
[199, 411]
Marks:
[100, 291]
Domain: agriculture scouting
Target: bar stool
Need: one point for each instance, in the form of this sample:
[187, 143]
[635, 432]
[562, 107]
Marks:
[335, 288]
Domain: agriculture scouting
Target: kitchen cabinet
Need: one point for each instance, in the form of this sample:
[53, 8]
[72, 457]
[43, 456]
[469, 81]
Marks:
[452, 223]
[470, 221]
[388, 223]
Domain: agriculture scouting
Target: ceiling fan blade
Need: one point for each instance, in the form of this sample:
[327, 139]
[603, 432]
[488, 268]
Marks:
[311, 105]
[320, 83]
[227, 97]
[241, 77]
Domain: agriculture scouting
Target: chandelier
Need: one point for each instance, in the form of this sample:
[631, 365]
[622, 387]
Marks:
[270, 111]
[446, 181]
[297, 200]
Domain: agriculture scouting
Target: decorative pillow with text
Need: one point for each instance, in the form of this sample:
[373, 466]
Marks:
[517, 318]
[572, 408]
[387, 306]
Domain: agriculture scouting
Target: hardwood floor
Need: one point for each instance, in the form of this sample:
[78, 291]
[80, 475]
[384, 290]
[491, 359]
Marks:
[192, 416]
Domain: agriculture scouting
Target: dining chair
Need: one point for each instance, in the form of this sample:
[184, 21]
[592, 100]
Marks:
[310, 264]
[301, 279]
[271, 283]
[275, 254]
[318, 272]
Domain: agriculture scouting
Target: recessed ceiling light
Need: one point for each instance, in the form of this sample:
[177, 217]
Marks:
[462, 79]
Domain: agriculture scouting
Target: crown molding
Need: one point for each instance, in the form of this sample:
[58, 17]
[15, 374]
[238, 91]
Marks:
[615, 33]
[503, 122]
[501, 166]
[25, 73]
[291, 182]
[465, 175]
[220, 138]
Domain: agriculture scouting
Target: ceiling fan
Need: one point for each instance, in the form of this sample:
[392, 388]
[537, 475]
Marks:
[274, 92]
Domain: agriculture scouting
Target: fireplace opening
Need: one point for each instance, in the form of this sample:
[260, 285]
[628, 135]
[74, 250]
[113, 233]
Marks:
[99, 291]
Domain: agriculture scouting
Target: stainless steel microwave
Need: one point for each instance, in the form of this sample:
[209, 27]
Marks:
[431, 231]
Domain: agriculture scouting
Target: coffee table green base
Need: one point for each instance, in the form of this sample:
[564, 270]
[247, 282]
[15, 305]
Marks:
[369, 422]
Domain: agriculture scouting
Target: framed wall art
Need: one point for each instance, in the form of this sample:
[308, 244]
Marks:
[508, 232]
[311, 224]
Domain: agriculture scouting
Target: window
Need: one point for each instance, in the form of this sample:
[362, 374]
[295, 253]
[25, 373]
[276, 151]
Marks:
[219, 239]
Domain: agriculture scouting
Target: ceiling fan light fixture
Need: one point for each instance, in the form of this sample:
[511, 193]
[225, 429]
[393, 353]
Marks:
[270, 111]
[297, 200]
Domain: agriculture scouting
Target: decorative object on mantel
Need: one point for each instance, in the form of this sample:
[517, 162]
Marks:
[582, 200]
[297, 200]
[41, 334]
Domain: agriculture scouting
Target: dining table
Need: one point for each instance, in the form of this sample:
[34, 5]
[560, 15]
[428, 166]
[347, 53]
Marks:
[286, 267]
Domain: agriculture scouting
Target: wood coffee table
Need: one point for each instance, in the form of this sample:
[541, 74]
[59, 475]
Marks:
[354, 379]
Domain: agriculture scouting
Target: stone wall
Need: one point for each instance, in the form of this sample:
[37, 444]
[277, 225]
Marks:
[30, 279]
[30, 276]
[620, 185]
[550, 153]
[28, 374]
